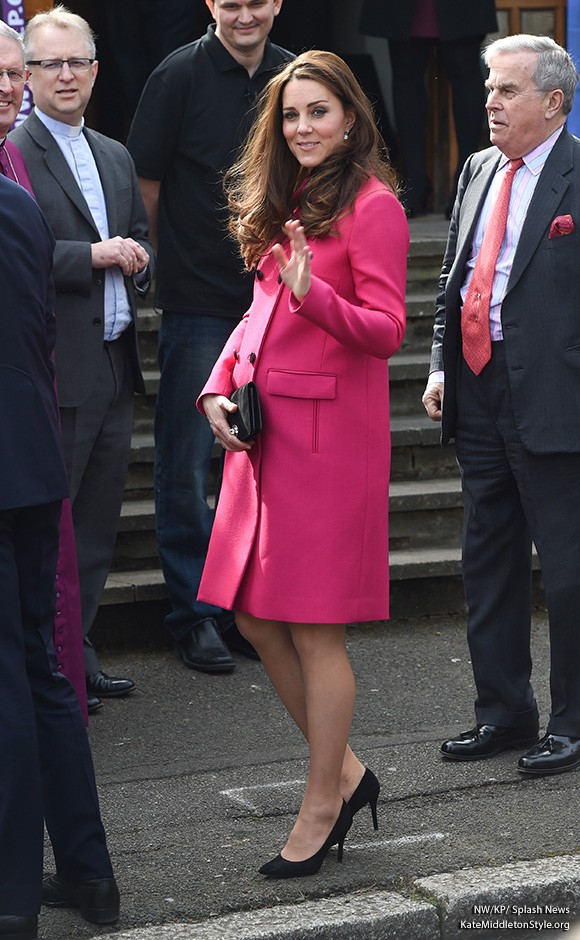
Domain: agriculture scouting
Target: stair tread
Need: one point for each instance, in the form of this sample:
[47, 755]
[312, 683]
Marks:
[415, 423]
[149, 584]
[416, 361]
[399, 489]
[436, 486]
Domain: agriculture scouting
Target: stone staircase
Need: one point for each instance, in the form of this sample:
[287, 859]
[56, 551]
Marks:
[425, 501]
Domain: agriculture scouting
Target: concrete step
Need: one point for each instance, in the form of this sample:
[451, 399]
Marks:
[424, 267]
[425, 502]
[421, 512]
[138, 515]
[128, 587]
[423, 582]
[408, 372]
[420, 313]
[415, 441]
[425, 513]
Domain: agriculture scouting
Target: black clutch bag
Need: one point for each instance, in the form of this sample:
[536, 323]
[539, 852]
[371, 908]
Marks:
[246, 422]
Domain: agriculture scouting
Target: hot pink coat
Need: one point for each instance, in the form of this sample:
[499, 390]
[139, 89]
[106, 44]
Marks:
[301, 528]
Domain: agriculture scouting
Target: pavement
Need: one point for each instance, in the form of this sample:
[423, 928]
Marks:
[200, 777]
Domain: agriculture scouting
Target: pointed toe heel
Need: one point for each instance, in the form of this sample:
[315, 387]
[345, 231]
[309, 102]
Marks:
[367, 792]
[281, 867]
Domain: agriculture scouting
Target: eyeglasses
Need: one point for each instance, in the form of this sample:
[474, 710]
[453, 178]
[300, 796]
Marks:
[15, 76]
[53, 66]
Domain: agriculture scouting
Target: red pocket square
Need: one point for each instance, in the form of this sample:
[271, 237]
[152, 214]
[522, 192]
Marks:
[562, 225]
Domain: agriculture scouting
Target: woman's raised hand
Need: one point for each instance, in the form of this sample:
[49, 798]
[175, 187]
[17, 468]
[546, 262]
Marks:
[295, 270]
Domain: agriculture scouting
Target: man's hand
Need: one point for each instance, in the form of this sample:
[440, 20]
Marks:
[433, 400]
[128, 254]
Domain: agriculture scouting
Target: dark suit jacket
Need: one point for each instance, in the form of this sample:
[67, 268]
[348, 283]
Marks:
[456, 18]
[31, 469]
[541, 310]
[80, 288]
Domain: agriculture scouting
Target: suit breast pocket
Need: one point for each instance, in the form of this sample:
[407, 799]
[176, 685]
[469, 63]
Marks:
[562, 243]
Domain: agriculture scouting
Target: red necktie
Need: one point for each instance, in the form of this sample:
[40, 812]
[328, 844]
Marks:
[475, 312]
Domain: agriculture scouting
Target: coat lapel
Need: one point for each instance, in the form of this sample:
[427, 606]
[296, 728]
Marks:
[103, 161]
[544, 204]
[57, 166]
[471, 205]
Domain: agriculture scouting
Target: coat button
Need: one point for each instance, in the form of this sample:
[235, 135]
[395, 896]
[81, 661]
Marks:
[252, 358]
[260, 275]
[97, 321]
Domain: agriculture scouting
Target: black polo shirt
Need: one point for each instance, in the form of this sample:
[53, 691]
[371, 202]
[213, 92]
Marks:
[194, 113]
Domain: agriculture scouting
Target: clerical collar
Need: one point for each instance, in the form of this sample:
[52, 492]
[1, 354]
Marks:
[59, 128]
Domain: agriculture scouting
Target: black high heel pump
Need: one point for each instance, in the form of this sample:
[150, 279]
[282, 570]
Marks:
[280, 867]
[367, 792]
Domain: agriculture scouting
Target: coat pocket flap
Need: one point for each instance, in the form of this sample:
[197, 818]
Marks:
[301, 384]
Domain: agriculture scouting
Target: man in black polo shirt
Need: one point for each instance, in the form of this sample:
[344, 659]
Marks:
[194, 114]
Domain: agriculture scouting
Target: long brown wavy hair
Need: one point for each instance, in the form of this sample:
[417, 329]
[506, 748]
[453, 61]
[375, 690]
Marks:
[267, 185]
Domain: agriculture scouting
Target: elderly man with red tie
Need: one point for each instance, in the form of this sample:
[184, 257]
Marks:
[507, 348]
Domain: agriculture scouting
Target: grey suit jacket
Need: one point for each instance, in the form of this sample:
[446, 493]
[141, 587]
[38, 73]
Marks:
[80, 288]
[541, 310]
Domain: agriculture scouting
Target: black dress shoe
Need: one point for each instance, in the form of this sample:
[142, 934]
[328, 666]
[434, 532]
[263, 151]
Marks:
[97, 899]
[203, 648]
[100, 685]
[367, 792]
[553, 754]
[281, 867]
[18, 927]
[487, 740]
[93, 704]
[237, 643]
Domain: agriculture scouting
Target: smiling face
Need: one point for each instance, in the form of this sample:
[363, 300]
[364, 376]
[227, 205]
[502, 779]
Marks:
[11, 57]
[314, 121]
[243, 25]
[62, 95]
[520, 117]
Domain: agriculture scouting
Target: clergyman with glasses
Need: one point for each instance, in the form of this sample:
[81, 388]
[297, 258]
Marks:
[86, 185]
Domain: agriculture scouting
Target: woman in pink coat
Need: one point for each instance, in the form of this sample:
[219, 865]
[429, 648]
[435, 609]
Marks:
[299, 546]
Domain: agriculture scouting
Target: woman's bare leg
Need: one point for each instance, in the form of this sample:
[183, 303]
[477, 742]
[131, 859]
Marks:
[329, 690]
[275, 645]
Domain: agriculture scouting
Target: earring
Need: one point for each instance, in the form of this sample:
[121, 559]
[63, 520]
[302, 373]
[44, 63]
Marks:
[346, 135]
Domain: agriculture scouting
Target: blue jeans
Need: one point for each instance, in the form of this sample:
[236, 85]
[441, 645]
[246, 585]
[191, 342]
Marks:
[189, 345]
